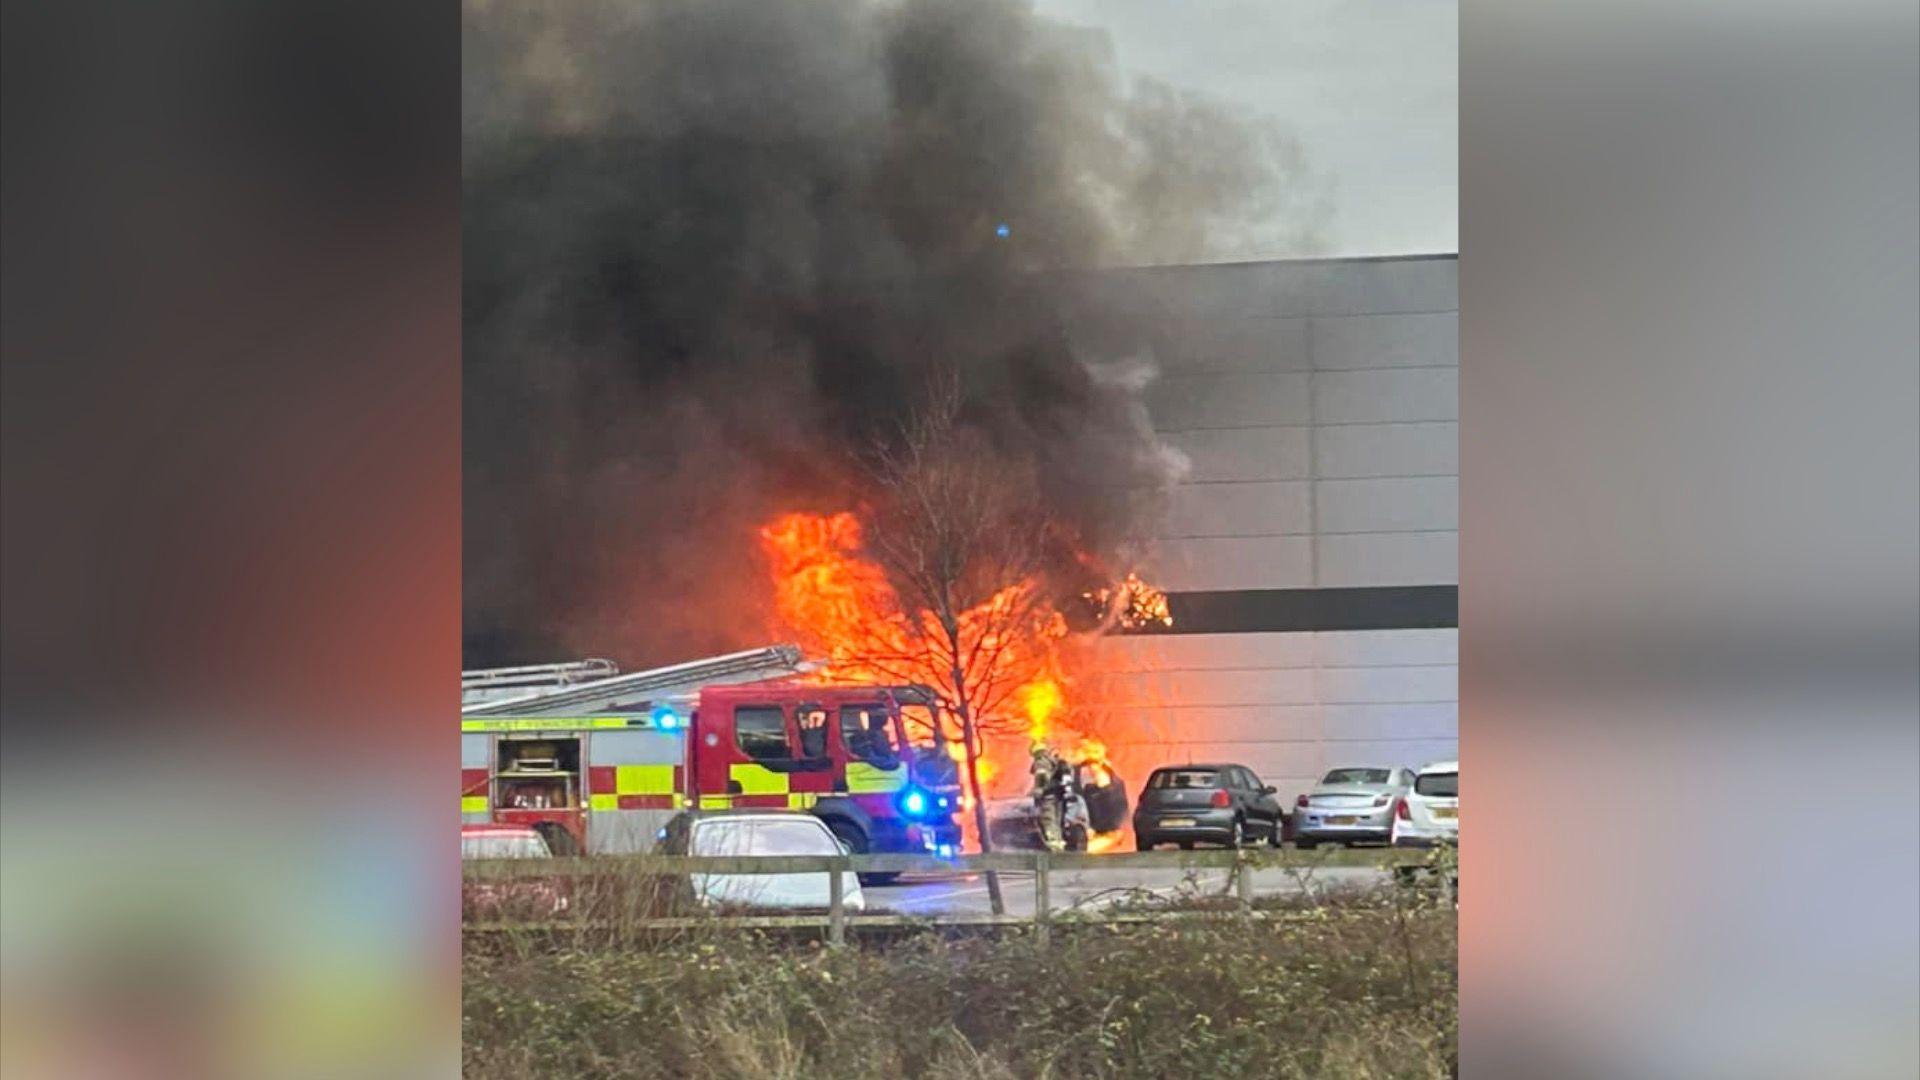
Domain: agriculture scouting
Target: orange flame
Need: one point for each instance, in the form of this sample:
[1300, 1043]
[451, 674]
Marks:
[847, 615]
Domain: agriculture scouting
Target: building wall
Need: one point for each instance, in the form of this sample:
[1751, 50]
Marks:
[1312, 550]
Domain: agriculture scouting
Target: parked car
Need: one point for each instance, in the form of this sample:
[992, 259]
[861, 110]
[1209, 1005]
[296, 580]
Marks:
[1431, 811]
[766, 832]
[1211, 804]
[1350, 805]
[510, 897]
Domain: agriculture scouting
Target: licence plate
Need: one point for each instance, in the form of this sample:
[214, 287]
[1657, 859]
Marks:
[1176, 823]
[1343, 819]
[1447, 812]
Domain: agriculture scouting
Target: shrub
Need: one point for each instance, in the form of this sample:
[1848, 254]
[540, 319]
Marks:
[1362, 986]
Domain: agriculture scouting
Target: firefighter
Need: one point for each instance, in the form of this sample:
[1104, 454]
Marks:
[1057, 804]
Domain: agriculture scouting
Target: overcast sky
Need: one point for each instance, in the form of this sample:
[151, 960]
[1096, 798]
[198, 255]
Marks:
[1370, 88]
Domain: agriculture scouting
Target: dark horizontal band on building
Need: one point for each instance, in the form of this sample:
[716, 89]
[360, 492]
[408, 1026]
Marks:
[1248, 611]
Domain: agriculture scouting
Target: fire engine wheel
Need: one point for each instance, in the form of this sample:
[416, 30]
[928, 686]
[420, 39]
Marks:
[849, 834]
[559, 840]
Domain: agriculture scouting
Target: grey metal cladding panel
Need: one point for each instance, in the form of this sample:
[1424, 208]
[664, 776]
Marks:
[1178, 403]
[1367, 685]
[475, 751]
[1376, 341]
[1388, 286]
[1389, 559]
[1232, 344]
[1234, 563]
[1411, 752]
[1362, 450]
[1267, 453]
[1158, 652]
[1235, 290]
[1265, 508]
[1225, 686]
[1352, 397]
[1247, 723]
[1392, 720]
[1368, 648]
[1396, 504]
[1326, 648]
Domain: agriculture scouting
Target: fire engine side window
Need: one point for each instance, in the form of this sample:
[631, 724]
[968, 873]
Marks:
[761, 732]
[813, 730]
[866, 734]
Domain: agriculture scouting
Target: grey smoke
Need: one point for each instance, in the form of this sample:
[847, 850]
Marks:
[714, 247]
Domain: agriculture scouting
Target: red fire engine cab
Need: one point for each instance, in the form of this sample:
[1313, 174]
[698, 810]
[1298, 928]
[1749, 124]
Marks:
[608, 783]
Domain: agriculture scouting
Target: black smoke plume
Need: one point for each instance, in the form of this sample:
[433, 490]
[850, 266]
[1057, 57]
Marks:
[713, 248]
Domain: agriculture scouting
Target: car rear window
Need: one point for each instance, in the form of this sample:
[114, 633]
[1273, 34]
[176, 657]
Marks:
[720, 838]
[1357, 776]
[1439, 784]
[1184, 778]
[797, 837]
[801, 836]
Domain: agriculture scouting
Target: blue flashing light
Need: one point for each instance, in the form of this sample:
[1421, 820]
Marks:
[913, 802]
[1003, 230]
[665, 718]
[945, 851]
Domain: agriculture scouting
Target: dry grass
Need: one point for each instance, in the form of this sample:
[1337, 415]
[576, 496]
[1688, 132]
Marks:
[1363, 986]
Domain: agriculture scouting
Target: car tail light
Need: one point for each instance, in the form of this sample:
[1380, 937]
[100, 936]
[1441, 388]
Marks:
[1222, 799]
[1402, 811]
[1301, 802]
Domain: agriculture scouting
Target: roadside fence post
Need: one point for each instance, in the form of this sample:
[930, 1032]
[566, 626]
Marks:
[1243, 878]
[1042, 902]
[836, 902]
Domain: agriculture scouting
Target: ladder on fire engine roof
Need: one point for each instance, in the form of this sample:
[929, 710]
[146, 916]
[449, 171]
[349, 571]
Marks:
[639, 686]
[493, 684]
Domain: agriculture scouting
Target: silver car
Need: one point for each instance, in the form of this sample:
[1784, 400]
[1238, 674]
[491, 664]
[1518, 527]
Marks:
[1351, 804]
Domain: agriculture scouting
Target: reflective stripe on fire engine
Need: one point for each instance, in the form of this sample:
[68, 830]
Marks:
[755, 779]
[715, 802]
[473, 804]
[865, 779]
[643, 780]
[555, 723]
[603, 802]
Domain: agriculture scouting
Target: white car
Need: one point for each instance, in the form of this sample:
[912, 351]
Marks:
[1430, 812]
[769, 833]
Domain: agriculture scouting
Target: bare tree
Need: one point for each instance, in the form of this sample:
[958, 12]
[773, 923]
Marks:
[962, 532]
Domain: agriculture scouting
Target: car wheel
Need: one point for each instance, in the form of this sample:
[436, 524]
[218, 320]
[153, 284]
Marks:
[1143, 843]
[849, 834]
[1304, 845]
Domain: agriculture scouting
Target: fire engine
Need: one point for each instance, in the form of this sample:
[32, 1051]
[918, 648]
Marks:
[606, 781]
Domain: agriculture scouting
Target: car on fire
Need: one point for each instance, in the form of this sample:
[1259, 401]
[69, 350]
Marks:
[515, 895]
[1212, 804]
[723, 833]
[1351, 804]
